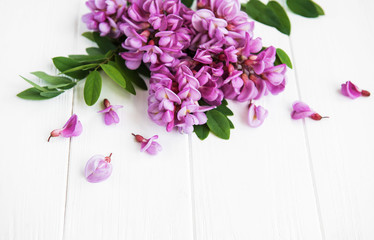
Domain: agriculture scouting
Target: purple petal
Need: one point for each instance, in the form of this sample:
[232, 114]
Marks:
[78, 129]
[256, 115]
[104, 28]
[172, 96]
[350, 90]
[97, 169]
[248, 92]
[111, 117]
[154, 148]
[105, 110]
[300, 110]
[151, 146]
[72, 127]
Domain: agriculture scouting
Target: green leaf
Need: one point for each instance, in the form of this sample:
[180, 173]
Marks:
[63, 64]
[62, 86]
[283, 58]
[224, 102]
[131, 75]
[225, 110]
[144, 70]
[114, 74]
[88, 58]
[92, 88]
[202, 131]
[305, 8]
[51, 94]
[42, 89]
[271, 14]
[285, 25]
[89, 36]
[319, 9]
[188, 3]
[104, 43]
[94, 51]
[31, 94]
[129, 86]
[218, 124]
[52, 79]
[231, 124]
[81, 68]
[67, 86]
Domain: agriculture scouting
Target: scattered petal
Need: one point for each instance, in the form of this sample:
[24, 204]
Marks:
[98, 168]
[352, 91]
[302, 110]
[256, 115]
[72, 128]
[149, 145]
[111, 117]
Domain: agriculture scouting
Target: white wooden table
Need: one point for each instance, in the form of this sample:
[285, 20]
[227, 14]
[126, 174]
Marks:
[286, 180]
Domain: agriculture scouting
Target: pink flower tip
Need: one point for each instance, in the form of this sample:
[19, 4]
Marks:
[365, 93]
[72, 128]
[148, 145]
[317, 117]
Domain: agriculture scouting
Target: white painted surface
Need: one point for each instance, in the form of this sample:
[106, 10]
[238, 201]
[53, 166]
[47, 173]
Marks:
[285, 180]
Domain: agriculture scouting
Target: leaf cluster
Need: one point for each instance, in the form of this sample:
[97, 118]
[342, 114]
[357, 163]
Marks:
[274, 15]
[77, 67]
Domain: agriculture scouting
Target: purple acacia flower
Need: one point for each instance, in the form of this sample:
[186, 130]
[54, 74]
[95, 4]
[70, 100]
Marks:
[352, 91]
[72, 128]
[110, 116]
[105, 16]
[98, 168]
[230, 54]
[256, 115]
[264, 59]
[149, 145]
[203, 56]
[302, 110]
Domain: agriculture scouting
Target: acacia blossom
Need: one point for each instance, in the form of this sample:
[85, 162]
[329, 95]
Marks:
[195, 57]
[350, 90]
[105, 16]
[249, 72]
[256, 115]
[173, 99]
[72, 128]
[157, 32]
[302, 110]
[148, 145]
[110, 117]
[98, 168]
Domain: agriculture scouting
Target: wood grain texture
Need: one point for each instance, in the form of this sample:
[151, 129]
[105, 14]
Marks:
[146, 197]
[285, 180]
[329, 51]
[32, 171]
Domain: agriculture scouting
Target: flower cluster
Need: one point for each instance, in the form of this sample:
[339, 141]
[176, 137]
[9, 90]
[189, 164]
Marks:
[105, 16]
[196, 58]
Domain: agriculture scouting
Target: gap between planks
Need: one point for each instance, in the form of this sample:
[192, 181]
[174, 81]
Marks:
[77, 35]
[307, 144]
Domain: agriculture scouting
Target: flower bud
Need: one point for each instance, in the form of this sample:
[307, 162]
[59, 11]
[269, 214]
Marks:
[365, 93]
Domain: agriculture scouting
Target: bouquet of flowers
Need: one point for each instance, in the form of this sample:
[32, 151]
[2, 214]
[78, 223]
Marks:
[192, 62]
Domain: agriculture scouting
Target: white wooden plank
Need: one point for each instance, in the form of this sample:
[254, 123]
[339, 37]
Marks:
[32, 171]
[258, 184]
[329, 51]
[147, 197]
